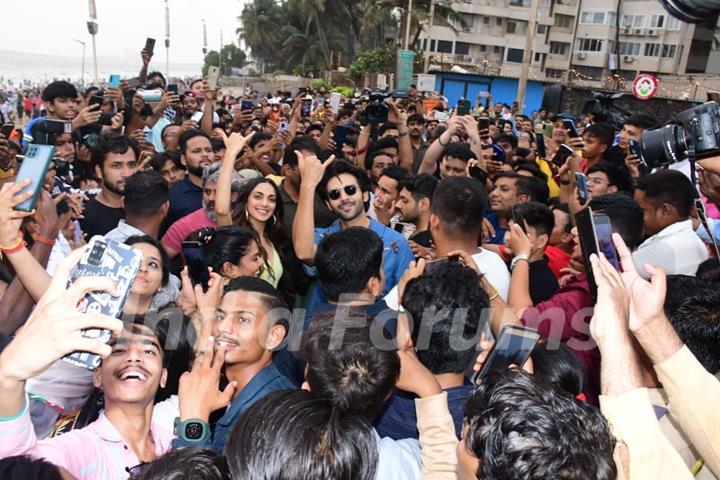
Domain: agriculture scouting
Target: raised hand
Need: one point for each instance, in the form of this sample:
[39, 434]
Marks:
[235, 143]
[414, 376]
[10, 219]
[610, 317]
[312, 169]
[87, 116]
[519, 242]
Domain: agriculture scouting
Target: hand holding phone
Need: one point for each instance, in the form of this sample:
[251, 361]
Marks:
[595, 234]
[34, 168]
[582, 186]
[114, 81]
[562, 155]
[149, 45]
[7, 129]
[570, 126]
[192, 254]
[513, 347]
[213, 76]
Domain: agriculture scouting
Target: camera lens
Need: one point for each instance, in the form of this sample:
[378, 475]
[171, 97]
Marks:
[96, 255]
[662, 145]
[691, 11]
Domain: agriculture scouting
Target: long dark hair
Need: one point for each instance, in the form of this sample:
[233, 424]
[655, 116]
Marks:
[228, 244]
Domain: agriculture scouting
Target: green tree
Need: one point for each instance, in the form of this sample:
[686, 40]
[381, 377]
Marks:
[262, 22]
[377, 60]
[232, 56]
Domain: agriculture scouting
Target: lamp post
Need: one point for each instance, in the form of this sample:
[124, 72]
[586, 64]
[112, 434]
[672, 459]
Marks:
[167, 40]
[82, 73]
[92, 26]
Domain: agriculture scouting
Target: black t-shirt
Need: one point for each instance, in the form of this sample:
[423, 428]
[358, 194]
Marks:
[543, 283]
[100, 219]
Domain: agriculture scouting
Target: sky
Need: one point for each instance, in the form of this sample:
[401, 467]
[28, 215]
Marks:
[49, 27]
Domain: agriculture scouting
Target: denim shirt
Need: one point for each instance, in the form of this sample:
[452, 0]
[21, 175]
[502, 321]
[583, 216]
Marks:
[267, 381]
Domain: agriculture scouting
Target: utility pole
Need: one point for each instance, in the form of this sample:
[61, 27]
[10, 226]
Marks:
[92, 26]
[527, 56]
[82, 74]
[407, 25]
[167, 40]
[204, 49]
[221, 54]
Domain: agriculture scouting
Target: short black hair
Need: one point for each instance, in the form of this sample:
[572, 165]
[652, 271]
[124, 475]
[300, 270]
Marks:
[259, 137]
[217, 144]
[522, 428]
[641, 120]
[537, 215]
[626, 216]
[421, 186]
[313, 126]
[385, 127]
[351, 371]
[416, 118]
[145, 192]
[671, 187]
[347, 260]
[295, 434]
[163, 254]
[370, 158]
[536, 189]
[270, 296]
[112, 143]
[506, 137]
[397, 173]
[188, 135]
[59, 89]
[156, 74]
[21, 467]
[559, 366]
[709, 270]
[532, 168]
[159, 159]
[460, 204]
[187, 463]
[445, 307]
[383, 143]
[459, 150]
[694, 312]
[339, 167]
[602, 131]
[299, 143]
[618, 175]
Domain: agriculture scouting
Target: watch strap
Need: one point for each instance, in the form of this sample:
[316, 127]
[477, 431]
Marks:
[180, 429]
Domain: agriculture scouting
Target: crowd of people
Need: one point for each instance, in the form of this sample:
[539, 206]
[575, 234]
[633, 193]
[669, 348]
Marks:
[321, 281]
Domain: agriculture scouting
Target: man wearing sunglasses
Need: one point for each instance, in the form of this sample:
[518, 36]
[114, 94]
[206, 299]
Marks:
[345, 189]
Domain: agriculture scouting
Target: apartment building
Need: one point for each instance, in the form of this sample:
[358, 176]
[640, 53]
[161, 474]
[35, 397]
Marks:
[577, 35]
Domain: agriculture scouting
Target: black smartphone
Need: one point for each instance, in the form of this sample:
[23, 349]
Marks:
[7, 129]
[305, 108]
[34, 168]
[96, 100]
[246, 105]
[192, 253]
[302, 91]
[173, 88]
[463, 107]
[150, 45]
[562, 155]
[570, 126]
[340, 133]
[603, 233]
[582, 185]
[478, 174]
[513, 347]
[635, 148]
[483, 123]
[517, 218]
[540, 146]
[104, 258]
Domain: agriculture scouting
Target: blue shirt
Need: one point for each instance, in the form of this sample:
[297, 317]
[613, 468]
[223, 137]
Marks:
[397, 255]
[398, 420]
[185, 198]
[500, 232]
[267, 381]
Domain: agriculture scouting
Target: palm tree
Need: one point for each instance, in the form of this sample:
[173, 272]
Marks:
[262, 21]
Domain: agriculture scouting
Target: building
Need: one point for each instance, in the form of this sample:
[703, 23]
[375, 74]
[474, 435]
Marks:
[574, 40]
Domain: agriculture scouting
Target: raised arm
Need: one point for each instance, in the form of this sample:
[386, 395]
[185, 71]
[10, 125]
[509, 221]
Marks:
[303, 232]
[405, 151]
[434, 151]
[234, 144]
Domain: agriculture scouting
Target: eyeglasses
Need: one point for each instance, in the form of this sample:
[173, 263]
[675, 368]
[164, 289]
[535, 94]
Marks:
[349, 190]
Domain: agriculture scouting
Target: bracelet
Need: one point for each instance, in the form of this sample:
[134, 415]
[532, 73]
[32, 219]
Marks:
[403, 134]
[440, 142]
[517, 259]
[18, 241]
[44, 241]
[494, 296]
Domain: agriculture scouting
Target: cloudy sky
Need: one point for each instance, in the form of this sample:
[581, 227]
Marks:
[49, 27]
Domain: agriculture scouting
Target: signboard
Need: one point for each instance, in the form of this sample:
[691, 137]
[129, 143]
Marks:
[404, 75]
[425, 82]
[645, 86]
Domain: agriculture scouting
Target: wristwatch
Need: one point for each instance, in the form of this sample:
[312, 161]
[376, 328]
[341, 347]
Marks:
[192, 430]
[519, 258]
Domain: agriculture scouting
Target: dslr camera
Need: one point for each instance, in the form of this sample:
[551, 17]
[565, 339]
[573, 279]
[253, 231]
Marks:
[699, 127]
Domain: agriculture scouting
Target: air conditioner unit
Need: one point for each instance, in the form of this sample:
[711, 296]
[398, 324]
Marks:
[628, 59]
[651, 31]
[582, 55]
[626, 30]
[638, 31]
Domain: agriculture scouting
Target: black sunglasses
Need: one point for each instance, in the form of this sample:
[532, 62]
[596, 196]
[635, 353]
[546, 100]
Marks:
[350, 190]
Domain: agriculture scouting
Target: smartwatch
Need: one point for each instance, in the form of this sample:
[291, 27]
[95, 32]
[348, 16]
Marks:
[192, 430]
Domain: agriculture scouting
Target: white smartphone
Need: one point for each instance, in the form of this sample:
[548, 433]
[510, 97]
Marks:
[213, 76]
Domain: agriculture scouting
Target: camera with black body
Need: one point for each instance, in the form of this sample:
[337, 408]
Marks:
[45, 130]
[376, 110]
[699, 127]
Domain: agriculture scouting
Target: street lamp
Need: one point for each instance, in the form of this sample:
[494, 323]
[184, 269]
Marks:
[92, 27]
[82, 74]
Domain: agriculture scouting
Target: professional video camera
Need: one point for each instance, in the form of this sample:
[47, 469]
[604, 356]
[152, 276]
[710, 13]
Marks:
[376, 110]
[45, 130]
[699, 129]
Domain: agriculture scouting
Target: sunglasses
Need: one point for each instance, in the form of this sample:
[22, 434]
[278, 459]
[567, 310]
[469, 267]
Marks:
[349, 190]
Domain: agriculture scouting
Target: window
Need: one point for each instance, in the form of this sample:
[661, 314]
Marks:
[462, 48]
[632, 21]
[519, 3]
[515, 55]
[483, 48]
[496, 49]
[538, 56]
[554, 73]
[595, 73]
[592, 18]
[424, 47]
[657, 21]
[541, 29]
[432, 45]
[559, 48]
[498, 21]
[518, 27]
[443, 46]
[652, 49]
[486, 21]
[564, 21]
[590, 45]
[628, 48]
[673, 24]
[668, 51]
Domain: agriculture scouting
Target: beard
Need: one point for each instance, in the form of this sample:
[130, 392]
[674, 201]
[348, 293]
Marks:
[197, 171]
[113, 187]
[350, 214]
[210, 211]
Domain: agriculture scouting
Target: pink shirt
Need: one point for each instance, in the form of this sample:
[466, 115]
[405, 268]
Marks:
[188, 224]
[96, 452]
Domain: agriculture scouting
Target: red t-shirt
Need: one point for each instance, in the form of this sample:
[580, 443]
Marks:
[188, 224]
[557, 260]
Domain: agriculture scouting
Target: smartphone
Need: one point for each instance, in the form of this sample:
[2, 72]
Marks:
[547, 130]
[305, 108]
[34, 167]
[151, 95]
[540, 146]
[340, 133]
[498, 153]
[570, 126]
[114, 81]
[585, 220]
[517, 218]
[302, 91]
[513, 347]
[173, 88]
[7, 129]
[104, 258]
[478, 174]
[193, 256]
[562, 155]
[463, 107]
[96, 100]
[246, 105]
[635, 147]
[603, 233]
[150, 45]
[582, 185]
[335, 99]
[441, 116]
[133, 82]
[483, 123]
[213, 76]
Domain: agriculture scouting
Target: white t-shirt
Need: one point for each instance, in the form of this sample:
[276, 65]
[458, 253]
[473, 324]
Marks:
[489, 263]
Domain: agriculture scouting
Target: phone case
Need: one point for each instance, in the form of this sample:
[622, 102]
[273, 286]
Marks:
[34, 167]
[114, 81]
[104, 258]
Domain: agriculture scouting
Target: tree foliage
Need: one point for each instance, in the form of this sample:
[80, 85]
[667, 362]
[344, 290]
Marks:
[232, 56]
